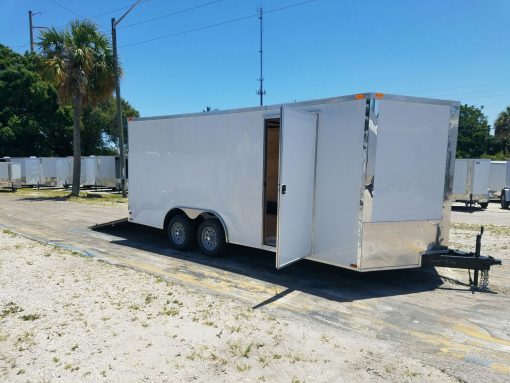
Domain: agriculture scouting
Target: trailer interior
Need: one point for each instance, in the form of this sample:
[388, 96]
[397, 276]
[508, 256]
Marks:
[271, 168]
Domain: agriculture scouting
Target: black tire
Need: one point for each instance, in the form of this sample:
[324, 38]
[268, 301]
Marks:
[181, 232]
[211, 237]
[504, 203]
[484, 205]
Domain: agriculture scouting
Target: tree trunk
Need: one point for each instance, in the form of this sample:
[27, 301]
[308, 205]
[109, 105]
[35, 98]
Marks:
[77, 105]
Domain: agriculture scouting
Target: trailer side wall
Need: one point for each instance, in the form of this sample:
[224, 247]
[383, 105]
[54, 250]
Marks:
[214, 162]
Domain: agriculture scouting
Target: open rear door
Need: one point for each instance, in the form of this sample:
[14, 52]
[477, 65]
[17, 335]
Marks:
[298, 135]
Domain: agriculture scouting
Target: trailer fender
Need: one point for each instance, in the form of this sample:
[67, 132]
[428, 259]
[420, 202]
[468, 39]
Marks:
[197, 214]
[506, 191]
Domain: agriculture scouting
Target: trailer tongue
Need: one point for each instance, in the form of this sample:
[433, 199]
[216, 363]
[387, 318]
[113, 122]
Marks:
[456, 259]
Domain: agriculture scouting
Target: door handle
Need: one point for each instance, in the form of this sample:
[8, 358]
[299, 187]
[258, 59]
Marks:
[284, 189]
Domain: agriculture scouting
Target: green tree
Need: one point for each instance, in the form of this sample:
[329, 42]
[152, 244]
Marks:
[502, 131]
[474, 132]
[31, 121]
[79, 62]
[100, 134]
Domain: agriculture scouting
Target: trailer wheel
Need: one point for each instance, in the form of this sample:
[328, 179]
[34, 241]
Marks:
[211, 237]
[504, 203]
[484, 205]
[181, 232]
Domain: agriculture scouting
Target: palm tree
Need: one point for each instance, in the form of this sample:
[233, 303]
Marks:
[80, 63]
[502, 129]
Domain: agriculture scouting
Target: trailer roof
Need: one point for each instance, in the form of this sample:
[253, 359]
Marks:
[359, 96]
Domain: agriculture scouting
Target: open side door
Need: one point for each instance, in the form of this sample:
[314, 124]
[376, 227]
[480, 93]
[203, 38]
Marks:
[298, 135]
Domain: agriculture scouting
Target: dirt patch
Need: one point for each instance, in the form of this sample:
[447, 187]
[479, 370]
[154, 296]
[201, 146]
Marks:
[68, 318]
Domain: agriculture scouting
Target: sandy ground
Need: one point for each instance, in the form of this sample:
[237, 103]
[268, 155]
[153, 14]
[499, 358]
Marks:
[495, 241]
[69, 318]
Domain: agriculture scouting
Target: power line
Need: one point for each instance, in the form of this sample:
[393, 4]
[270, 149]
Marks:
[67, 9]
[230, 21]
[114, 10]
[172, 14]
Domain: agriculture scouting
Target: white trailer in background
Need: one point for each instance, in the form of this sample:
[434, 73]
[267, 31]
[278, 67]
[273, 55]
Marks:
[10, 175]
[30, 170]
[108, 174]
[472, 181]
[504, 180]
[95, 171]
[361, 182]
[64, 171]
[500, 170]
[88, 171]
[49, 171]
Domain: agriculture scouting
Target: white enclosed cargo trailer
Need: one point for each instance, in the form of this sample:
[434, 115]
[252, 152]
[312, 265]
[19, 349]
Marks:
[10, 175]
[504, 194]
[499, 178]
[107, 172]
[30, 170]
[64, 171]
[49, 171]
[472, 181]
[362, 182]
[88, 171]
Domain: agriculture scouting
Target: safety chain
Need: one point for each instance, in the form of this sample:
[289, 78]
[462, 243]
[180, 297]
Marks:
[484, 280]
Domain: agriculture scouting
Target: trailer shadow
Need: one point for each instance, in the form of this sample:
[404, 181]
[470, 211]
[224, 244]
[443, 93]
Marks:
[467, 209]
[310, 277]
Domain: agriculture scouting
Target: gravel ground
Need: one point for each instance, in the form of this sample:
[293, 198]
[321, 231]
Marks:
[69, 318]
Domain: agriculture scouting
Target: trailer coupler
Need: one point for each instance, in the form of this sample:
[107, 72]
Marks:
[462, 260]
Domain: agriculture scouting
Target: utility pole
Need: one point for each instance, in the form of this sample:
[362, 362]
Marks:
[31, 31]
[118, 119]
[32, 27]
[261, 92]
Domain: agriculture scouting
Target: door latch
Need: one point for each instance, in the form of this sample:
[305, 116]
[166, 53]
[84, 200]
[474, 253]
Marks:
[284, 189]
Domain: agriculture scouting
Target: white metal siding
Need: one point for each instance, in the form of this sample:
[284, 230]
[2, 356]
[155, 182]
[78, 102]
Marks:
[410, 161]
[213, 162]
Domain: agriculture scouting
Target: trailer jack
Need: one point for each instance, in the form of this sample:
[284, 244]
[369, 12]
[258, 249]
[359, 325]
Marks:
[456, 259]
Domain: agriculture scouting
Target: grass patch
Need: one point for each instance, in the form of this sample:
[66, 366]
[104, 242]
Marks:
[10, 233]
[149, 298]
[242, 367]
[65, 195]
[238, 349]
[10, 308]
[493, 229]
[30, 317]
[170, 311]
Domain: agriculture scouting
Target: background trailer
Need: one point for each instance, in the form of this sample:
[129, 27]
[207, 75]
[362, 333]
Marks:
[499, 178]
[10, 175]
[472, 181]
[49, 171]
[361, 182]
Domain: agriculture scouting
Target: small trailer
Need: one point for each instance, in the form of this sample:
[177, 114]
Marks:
[30, 170]
[499, 178]
[108, 172]
[95, 171]
[64, 171]
[88, 171]
[49, 171]
[504, 195]
[472, 181]
[10, 175]
[362, 182]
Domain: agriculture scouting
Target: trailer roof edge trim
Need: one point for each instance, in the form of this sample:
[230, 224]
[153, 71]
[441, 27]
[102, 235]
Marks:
[358, 96]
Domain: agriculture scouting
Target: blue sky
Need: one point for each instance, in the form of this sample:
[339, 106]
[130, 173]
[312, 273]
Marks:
[452, 49]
